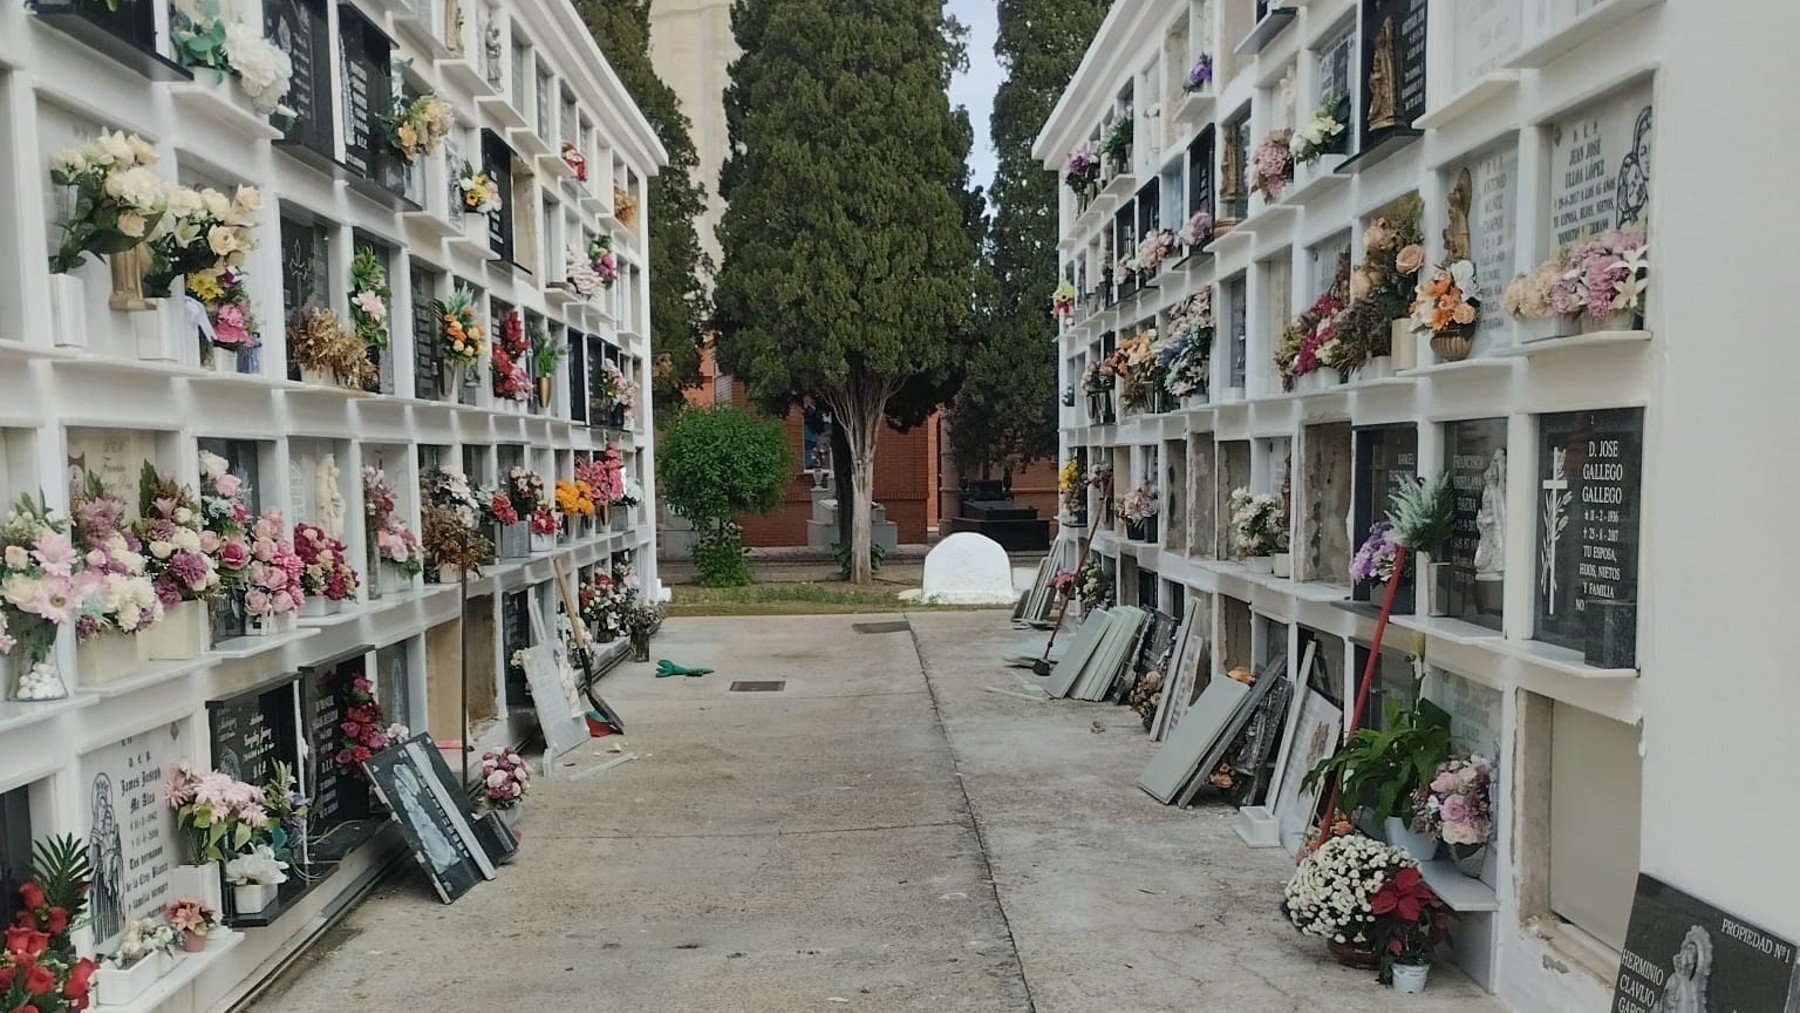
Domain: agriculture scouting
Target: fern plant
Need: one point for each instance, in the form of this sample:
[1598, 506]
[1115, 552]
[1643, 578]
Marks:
[1422, 512]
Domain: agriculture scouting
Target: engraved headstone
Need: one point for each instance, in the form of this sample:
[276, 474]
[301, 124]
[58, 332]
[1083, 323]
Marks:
[1600, 166]
[1589, 486]
[1486, 33]
[131, 832]
[1475, 457]
[1393, 87]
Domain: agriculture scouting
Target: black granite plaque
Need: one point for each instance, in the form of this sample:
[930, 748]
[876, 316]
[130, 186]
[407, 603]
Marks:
[431, 816]
[1405, 59]
[1200, 173]
[497, 160]
[253, 731]
[300, 28]
[338, 793]
[1472, 580]
[1683, 954]
[1387, 457]
[1589, 485]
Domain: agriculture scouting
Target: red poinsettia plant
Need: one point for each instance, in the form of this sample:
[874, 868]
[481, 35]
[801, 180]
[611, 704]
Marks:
[1410, 920]
[39, 972]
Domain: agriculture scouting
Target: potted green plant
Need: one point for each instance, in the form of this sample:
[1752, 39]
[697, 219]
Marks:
[1386, 767]
[1423, 512]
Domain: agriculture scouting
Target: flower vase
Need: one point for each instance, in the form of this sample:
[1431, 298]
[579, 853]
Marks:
[316, 606]
[1469, 859]
[1409, 979]
[542, 542]
[170, 334]
[185, 631]
[193, 942]
[200, 881]
[107, 658]
[1358, 955]
[543, 393]
[250, 898]
[224, 360]
[1541, 328]
[514, 541]
[1618, 320]
[1422, 847]
[115, 986]
[128, 267]
[68, 314]
[1282, 564]
[456, 375]
[510, 815]
[390, 579]
[1260, 564]
[1402, 346]
[449, 574]
[31, 682]
[640, 645]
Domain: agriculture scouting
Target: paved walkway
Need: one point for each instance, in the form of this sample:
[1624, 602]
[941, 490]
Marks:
[883, 834]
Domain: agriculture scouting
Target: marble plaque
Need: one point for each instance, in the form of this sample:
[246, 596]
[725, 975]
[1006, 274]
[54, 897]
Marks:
[131, 832]
[115, 456]
[1600, 166]
[1493, 217]
[1475, 457]
[1325, 546]
[1589, 486]
[1487, 33]
[1474, 709]
[1203, 518]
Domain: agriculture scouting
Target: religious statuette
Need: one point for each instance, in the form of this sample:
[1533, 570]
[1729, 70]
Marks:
[1490, 520]
[128, 267]
[453, 24]
[331, 501]
[496, 72]
[1384, 80]
[1456, 233]
[1231, 181]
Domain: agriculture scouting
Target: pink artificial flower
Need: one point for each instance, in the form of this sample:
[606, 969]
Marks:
[235, 555]
[371, 304]
[209, 542]
[55, 553]
[257, 603]
[1455, 809]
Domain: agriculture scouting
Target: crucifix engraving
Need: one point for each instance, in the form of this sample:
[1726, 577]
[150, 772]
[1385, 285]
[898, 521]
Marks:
[1556, 502]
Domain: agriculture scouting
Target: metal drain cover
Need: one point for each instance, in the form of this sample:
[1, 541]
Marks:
[764, 686]
[894, 627]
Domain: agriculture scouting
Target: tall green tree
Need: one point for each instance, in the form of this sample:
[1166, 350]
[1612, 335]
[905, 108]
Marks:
[848, 267]
[1005, 414]
[679, 306]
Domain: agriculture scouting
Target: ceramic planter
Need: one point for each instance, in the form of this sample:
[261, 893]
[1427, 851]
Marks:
[252, 897]
[1620, 320]
[1451, 346]
[200, 882]
[1422, 847]
[1542, 328]
[1409, 979]
[224, 360]
[183, 633]
[117, 986]
[315, 606]
[193, 942]
[541, 542]
[68, 314]
[449, 574]
[1260, 564]
[1283, 564]
[390, 579]
[107, 658]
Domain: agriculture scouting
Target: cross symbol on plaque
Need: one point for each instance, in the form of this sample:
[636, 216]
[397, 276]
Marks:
[1555, 497]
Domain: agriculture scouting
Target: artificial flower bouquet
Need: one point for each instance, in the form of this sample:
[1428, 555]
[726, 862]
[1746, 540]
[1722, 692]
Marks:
[544, 521]
[602, 602]
[1115, 144]
[1139, 505]
[1198, 230]
[624, 206]
[1070, 484]
[461, 334]
[224, 516]
[1157, 246]
[218, 815]
[525, 488]
[575, 160]
[1257, 526]
[1374, 560]
[1062, 300]
[500, 509]
[193, 920]
[272, 581]
[1185, 354]
[203, 38]
[203, 230]
[603, 260]
[254, 877]
[1093, 584]
[1318, 135]
[451, 544]
[39, 971]
[319, 342]
[616, 389]
[119, 200]
[395, 544]
[417, 126]
[1601, 278]
[1444, 302]
[224, 291]
[575, 497]
[579, 271]
[1097, 378]
[1081, 170]
[479, 192]
[1200, 75]
[511, 380]
[287, 808]
[114, 580]
[39, 593]
[326, 571]
[1456, 805]
[450, 488]
[505, 777]
[1134, 363]
[369, 298]
[179, 551]
[363, 731]
[142, 940]
[1272, 166]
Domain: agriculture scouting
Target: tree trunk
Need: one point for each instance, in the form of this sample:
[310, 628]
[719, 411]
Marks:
[841, 456]
[860, 432]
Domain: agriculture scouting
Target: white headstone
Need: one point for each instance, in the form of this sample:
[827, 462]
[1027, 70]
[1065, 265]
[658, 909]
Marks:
[968, 569]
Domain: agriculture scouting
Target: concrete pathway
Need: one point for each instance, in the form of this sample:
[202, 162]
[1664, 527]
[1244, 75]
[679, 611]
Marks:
[883, 834]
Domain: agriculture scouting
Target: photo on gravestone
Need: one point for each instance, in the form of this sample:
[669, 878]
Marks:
[338, 820]
[1393, 61]
[1589, 486]
[1387, 457]
[1483, 206]
[1683, 955]
[1600, 166]
[1472, 581]
[131, 837]
[430, 817]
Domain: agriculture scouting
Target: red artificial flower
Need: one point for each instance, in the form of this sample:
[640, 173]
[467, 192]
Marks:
[25, 1009]
[6, 978]
[31, 895]
[39, 980]
[1405, 895]
[77, 986]
[58, 920]
[29, 942]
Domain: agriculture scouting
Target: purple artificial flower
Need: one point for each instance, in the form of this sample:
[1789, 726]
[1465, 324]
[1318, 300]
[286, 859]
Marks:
[1200, 75]
[190, 567]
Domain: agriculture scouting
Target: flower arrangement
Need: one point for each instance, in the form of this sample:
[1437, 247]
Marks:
[319, 341]
[602, 602]
[52, 900]
[191, 917]
[1600, 276]
[641, 617]
[1272, 165]
[256, 867]
[1123, 270]
[544, 521]
[225, 517]
[616, 389]
[1314, 339]
[504, 777]
[118, 199]
[1139, 505]
[286, 807]
[525, 488]
[1134, 363]
[450, 542]
[1198, 231]
[500, 509]
[175, 542]
[141, 940]
[1331, 894]
[1374, 560]
[511, 381]
[579, 272]
[1097, 377]
[605, 474]
[395, 543]
[219, 815]
[624, 206]
[1185, 354]
[326, 565]
[1444, 302]
[416, 127]
[114, 579]
[1093, 584]
[363, 731]
[1073, 489]
[225, 294]
[603, 260]
[1319, 134]
[1116, 143]
[575, 160]
[272, 581]
[1062, 300]
[1156, 246]
[1200, 75]
[574, 498]
[1456, 805]
[39, 591]
[369, 301]
[39, 976]
[479, 192]
[547, 353]
[461, 335]
[1411, 920]
[1423, 512]
[263, 68]
[1081, 170]
[202, 230]
[1381, 288]
[1257, 525]
[450, 488]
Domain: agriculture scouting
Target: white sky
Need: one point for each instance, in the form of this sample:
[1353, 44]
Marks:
[974, 90]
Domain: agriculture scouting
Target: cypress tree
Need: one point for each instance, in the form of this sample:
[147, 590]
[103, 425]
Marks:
[848, 264]
[678, 302]
[1005, 414]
